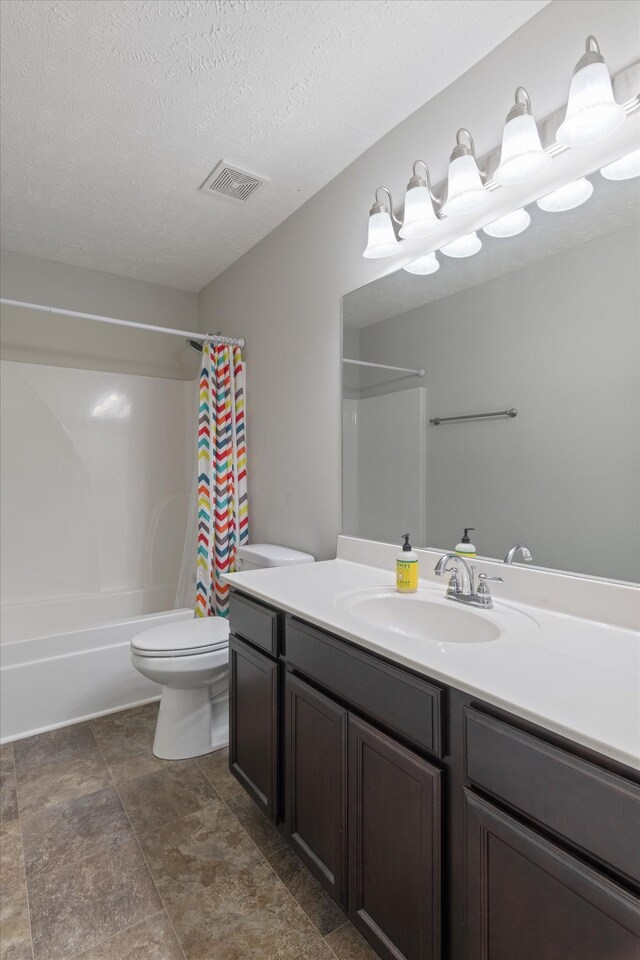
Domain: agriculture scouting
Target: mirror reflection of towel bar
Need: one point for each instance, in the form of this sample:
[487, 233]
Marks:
[511, 412]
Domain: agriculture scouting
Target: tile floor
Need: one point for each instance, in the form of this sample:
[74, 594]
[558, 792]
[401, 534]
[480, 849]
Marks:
[108, 853]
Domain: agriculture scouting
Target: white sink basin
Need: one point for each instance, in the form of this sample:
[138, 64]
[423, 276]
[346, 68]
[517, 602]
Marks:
[428, 616]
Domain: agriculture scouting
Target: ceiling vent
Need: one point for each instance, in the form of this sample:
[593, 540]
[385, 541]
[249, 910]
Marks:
[231, 183]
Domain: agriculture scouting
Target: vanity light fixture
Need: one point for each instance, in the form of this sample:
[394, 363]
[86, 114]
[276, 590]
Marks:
[522, 156]
[510, 225]
[625, 168]
[423, 265]
[568, 197]
[463, 247]
[465, 191]
[592, 112]
[382, 240]
[419, 212]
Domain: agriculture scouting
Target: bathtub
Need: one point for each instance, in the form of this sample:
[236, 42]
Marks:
[56, 670]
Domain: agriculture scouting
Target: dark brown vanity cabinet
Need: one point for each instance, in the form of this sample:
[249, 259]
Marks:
[447, 829]
[253, 719]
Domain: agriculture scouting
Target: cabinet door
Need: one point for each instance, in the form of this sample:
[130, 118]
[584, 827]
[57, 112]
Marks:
[316, 734]
[527, 898]
[253, 724]
[394, 846]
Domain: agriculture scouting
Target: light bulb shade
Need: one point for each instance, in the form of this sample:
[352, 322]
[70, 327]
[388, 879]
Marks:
[568, 197]
[625, 168]
[510, 225]
[463, 247]
[465, 191]
[419, 215]
[382, 240]
[592, 112]
[522, 156]
[423, 265]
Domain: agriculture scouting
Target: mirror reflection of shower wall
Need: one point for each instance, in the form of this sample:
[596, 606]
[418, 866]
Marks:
[546, 322]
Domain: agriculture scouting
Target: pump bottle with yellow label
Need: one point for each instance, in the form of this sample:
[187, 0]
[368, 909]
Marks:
[407, 568]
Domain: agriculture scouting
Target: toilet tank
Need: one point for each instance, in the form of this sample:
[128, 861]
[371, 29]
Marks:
[256, 556]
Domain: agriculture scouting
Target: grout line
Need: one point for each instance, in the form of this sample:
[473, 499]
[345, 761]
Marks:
[24, 865]
[103, 943]
[153, 880]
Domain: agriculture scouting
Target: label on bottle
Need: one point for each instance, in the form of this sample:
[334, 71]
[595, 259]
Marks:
[407, 576]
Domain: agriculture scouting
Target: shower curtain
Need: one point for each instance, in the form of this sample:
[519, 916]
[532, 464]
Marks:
[223, 520]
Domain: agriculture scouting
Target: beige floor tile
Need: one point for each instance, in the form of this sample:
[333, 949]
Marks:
[11, 860]
[187, 856]
[70, 831]
[322, 910]
[6, 751]
[153, 939]
[319, 951]
[165, 795]
[8, 795]
[78, 906]
[347, 944]
[262, 831]
[249, 916]
[15, 935]
[46, 784]
[215, 766]
[54, 745]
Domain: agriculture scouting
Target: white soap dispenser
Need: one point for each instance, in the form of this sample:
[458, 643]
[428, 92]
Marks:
[465, 548]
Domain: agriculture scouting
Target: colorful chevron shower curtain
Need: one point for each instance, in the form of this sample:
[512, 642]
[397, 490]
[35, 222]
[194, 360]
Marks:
[223, 520]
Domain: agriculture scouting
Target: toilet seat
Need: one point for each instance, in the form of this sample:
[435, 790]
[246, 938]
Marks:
[183, 638]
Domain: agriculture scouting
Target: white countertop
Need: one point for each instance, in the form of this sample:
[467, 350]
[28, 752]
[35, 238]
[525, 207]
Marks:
[576, 677]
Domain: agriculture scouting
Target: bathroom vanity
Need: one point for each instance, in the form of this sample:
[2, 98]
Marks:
[445, 824]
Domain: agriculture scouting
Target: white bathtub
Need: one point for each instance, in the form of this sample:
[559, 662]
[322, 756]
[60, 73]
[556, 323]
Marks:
[56, 670]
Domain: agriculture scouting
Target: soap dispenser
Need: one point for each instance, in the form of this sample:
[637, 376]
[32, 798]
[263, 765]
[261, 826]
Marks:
[407, 568]
[465, 548]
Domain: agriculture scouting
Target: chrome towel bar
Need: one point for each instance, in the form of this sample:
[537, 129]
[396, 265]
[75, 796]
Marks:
[511, 412]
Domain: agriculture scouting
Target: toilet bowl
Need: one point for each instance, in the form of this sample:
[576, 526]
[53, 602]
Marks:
[190, 660]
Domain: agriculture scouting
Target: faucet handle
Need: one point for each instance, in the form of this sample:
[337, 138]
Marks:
[487, 579]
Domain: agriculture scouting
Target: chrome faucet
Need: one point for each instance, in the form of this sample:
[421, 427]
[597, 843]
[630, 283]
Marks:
[461, 586]
[519, 548]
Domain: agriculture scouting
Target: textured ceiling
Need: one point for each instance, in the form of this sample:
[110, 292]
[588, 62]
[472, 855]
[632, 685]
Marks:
[115, 112]
[612, 206]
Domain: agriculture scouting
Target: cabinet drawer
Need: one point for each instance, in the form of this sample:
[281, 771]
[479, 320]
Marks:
[595, 810]
[396, 699]
[254, 622]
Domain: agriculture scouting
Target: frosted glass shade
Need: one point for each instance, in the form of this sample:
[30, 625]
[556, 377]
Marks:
[465, 191]
[382, 240]
[423, 265]
[510, 225]
[592, 113]
[625, 168]
[567, 197]
[463, 247]
[419, 215]
[522, 156]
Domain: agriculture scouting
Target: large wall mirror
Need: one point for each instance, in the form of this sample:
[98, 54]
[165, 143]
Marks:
[544, 324]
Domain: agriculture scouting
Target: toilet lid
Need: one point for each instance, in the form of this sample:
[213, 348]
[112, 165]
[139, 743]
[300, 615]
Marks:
[183, 637]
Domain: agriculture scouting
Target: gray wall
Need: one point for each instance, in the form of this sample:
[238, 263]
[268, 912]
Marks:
[284, 294]
[560, 341]
[44, 338]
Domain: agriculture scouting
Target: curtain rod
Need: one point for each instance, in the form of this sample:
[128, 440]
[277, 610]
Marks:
[231, 341]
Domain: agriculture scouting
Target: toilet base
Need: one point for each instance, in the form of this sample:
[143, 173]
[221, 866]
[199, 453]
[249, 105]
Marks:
[191, 723]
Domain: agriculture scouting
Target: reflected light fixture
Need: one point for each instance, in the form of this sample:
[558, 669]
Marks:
[568, 197]
[465, 190]
[463, 247]
[625, 168]
[592, 112]
[522, 156]
[382, 240]
[423, 265]
[419, 213]
[510, 225]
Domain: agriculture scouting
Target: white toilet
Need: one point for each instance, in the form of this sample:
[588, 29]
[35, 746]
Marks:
[190, 659]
